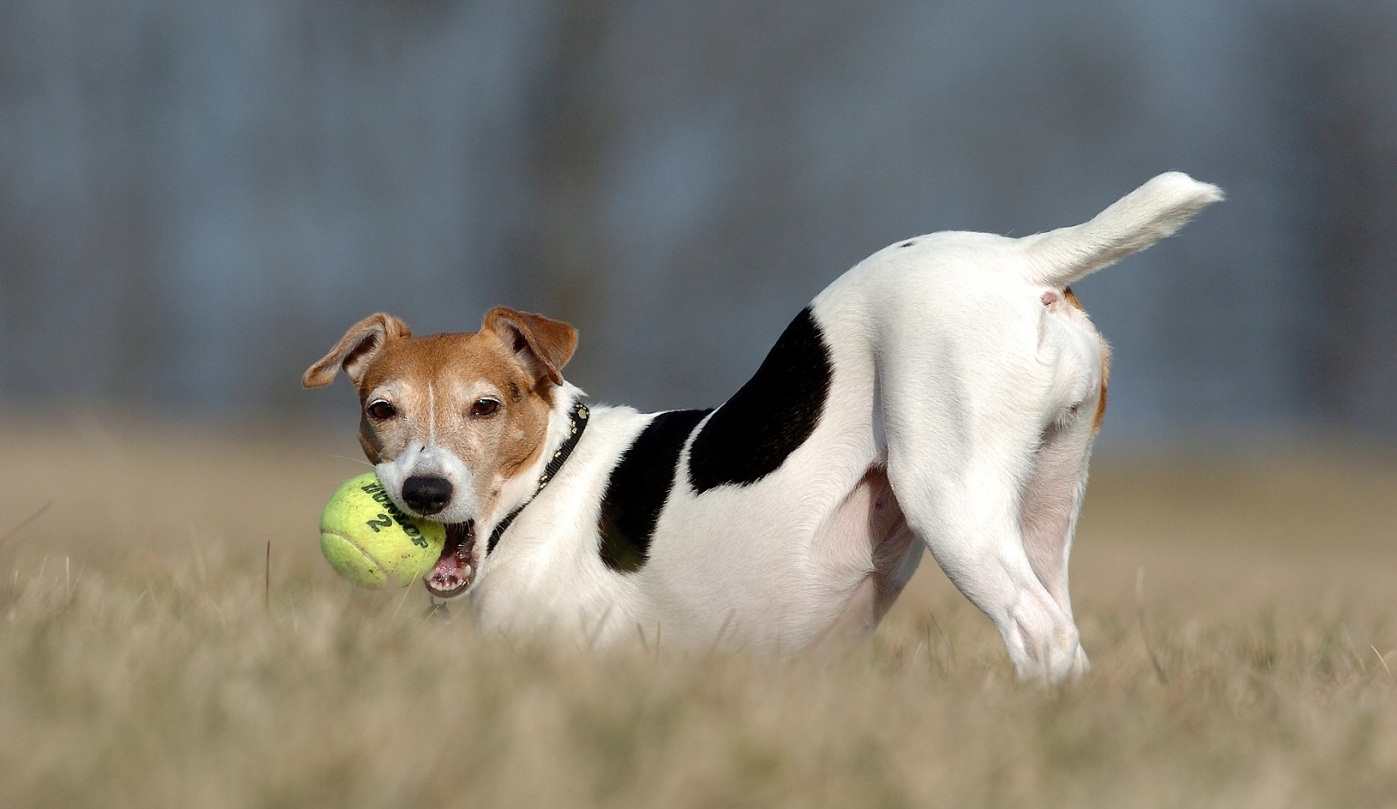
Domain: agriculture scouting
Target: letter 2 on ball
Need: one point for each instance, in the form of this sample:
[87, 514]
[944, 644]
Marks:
[369, 541]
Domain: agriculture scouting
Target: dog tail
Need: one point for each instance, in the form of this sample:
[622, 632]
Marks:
[1134, 222]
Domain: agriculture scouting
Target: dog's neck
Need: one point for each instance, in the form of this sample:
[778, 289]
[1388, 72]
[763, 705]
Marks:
[565, 426]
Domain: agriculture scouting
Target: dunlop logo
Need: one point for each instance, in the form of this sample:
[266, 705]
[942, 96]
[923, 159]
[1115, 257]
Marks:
[380, 496]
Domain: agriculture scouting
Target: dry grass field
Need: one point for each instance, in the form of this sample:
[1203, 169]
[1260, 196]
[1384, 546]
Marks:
[1239, 612]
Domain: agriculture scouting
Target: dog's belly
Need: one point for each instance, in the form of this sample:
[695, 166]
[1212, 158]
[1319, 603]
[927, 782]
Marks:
[866, 541]
[751, 572]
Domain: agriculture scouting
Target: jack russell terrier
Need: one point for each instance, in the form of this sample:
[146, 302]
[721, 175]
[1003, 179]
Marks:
[944, 393]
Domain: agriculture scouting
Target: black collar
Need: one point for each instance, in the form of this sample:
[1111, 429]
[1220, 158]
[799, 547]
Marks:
[577, 422]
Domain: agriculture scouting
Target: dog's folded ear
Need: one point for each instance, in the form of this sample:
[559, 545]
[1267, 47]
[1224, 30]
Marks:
[363, 340]
[541, 343]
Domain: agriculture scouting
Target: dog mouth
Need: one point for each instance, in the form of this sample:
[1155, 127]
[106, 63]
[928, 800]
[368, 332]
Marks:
[455, 569]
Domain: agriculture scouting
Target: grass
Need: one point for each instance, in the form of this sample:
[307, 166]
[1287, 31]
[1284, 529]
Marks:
[1239, 614]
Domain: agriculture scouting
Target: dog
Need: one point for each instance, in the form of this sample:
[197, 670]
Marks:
[943, 394]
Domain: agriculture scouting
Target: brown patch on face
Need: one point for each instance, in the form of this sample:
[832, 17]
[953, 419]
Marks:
[465, 405]
[369, 441]
[433, 384]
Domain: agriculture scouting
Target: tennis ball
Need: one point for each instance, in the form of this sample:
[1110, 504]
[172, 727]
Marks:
[367, 540]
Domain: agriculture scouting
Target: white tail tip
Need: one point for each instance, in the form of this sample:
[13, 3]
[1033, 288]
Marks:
[1139, 219]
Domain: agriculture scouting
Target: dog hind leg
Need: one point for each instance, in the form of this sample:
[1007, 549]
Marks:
[982, 551]
[1049, 507]
[960, 486]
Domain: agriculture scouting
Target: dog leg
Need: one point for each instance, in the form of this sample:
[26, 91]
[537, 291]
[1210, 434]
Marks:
[976, 539]
[959, 464]
[1053, 495]
[1048, 511]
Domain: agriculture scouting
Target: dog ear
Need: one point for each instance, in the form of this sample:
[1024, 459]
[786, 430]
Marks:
[363, 340]
[542, 343]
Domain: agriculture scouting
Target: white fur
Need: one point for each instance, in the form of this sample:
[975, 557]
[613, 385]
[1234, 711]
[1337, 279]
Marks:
[961, 414]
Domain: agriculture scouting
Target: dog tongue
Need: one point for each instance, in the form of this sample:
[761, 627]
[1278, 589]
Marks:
[452, 572]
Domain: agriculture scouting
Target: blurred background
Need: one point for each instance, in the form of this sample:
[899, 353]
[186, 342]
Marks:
[197, 197]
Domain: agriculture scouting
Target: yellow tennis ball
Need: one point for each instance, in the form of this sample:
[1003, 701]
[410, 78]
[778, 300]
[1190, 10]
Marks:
[368, 540]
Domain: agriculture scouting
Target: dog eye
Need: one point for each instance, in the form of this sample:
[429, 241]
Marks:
[380, 410]
[484, 407]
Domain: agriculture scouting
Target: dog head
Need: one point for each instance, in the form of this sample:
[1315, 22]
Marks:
[449, 420]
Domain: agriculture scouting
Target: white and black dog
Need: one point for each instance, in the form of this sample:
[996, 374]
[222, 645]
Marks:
[944, 393]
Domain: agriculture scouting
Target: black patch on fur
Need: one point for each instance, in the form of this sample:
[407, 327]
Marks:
[639, 486]
[908, 243]
[753, 433]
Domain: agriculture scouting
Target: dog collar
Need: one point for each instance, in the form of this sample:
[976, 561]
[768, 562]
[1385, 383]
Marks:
[577, 422]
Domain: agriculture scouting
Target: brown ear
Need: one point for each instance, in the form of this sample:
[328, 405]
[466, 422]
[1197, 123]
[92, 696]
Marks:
[363, 340]
[542, 343]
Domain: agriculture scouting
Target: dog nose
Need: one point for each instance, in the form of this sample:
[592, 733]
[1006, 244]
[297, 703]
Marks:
[426, 495]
